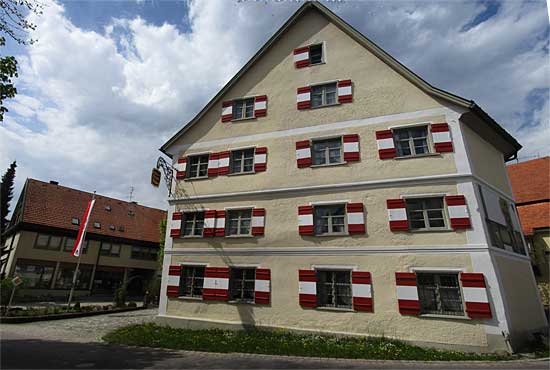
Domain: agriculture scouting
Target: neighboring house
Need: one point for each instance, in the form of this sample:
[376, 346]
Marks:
[122, 242]
[328, 188]
[531, 185]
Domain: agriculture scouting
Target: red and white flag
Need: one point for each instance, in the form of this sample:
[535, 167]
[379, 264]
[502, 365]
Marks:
[82, 231]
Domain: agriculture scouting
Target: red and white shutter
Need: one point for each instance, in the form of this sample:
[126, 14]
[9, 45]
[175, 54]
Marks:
[458, 212]
[344, 91]
[258, 221]
[386, 146]
[307, 288]
[220, 224]
[213, 160]
[173, 286]
[397, 214]
[223, 162]
[475, 295]
[262, 286]
[260, 159]
[303, 97]
[216, 284]
[209, 223]
[301, 57]
[227, 111]
[180, 168]
[175, 224]
[356, 218]
[303, 154]
[260, 106]
[305, 220]
[441, 136]
[351, 147]
[362, 291]
[407, 293]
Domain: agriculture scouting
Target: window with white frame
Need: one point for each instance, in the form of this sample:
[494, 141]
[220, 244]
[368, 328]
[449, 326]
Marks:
[193, 223]
[334, 288]
[322, 95]
[191, 281]
[439, 294]
[330, 219]
[426, 213]
[411, 141]
[316, 54]
[243, 108]
[197, 166]
[327, 151]
[241, 284]
[238, 222]
[242, 161]
[50, 242]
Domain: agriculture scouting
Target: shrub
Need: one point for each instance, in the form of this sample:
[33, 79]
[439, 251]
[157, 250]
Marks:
[6, 287]
[120, 297]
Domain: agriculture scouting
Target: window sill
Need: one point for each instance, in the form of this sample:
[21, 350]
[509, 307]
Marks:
[243, 119]
[241, 302]
[241, 173]
[336, 309]
[327, 165]
[325, 235]
[239, 236]
[196, 178]
[418, 156]
[326, 106]
[317, 64]
[436, 316]
[186, 298]
[420, 231]
[191, 236]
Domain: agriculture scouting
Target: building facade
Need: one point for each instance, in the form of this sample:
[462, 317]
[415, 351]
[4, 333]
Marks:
[121, 246]
[328, 188]
[531, 185]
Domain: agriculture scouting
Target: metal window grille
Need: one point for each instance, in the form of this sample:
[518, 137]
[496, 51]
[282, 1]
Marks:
[241, 284]
[334, 289]
[191, 281]
[439, 294]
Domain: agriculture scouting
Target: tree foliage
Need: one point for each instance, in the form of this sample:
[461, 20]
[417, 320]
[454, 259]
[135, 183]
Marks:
[6, 195]
[8, 70]
[14, 21]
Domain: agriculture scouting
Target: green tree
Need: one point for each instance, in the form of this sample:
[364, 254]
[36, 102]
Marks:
[8, 70]
[14, 19]
[6, 195]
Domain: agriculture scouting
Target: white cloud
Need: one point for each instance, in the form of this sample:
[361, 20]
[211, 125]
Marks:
[94, 106]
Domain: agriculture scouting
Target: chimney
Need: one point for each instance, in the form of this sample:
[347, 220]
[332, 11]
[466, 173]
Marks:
[54, 182]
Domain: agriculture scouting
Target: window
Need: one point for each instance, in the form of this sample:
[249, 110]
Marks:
[411, 141]
[198, 166]
[239, 222]
[241, 284]
[327, 151]
[108, 249]
[193, 223]
[242, 161]
[191, 281]
[322, 95]
[121, 228]
[64, 278]
[35, 275]
[112, 227]
[426, 213]
[316, 54]
[144, 253]
[50, 242]
[131, 213]
[97, 225]
[334, 288]
[108, 208]
[69, 244]
[243, 108]
[330, 219]
[439, 294]
[75, 221]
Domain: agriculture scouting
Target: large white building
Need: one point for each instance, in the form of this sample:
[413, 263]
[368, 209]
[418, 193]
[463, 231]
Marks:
[328, 188]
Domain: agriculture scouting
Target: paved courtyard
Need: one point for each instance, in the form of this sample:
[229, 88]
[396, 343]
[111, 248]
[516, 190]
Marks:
[76, 344]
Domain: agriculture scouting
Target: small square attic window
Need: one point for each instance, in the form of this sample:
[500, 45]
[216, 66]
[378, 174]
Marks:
[75, 221]
[121, 228]
[131, 213]
[108, 208]
[97, 225]
[112, 227]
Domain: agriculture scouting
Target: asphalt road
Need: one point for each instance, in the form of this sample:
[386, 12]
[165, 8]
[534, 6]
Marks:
[75, 344]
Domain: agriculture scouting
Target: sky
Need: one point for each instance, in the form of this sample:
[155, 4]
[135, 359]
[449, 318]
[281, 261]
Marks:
[108, 82]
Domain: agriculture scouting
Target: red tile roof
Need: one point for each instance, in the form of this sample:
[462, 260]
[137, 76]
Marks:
[530, 180]
[54, 206]
[534, 216]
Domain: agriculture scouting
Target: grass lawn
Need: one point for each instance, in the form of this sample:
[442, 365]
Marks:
[283, 343]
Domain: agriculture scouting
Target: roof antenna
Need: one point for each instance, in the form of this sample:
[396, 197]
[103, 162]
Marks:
[131, 193]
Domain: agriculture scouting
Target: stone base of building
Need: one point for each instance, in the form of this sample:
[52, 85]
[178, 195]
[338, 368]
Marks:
[495, 343]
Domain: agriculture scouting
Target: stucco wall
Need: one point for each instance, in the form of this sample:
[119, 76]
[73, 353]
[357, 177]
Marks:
[281, 221]
[378, 90]
[486, 161]
[285, 311]
[524, 311]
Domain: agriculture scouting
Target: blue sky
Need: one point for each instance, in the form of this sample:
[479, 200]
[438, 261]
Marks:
[107, 82]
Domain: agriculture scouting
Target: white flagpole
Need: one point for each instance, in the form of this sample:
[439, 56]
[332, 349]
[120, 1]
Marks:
[78, 264]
